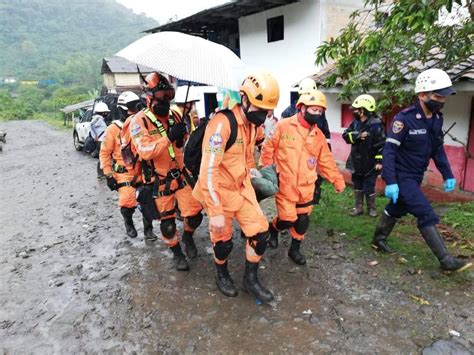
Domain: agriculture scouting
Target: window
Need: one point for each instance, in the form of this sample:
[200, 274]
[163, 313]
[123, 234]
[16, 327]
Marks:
[346, 115]
[275, 29]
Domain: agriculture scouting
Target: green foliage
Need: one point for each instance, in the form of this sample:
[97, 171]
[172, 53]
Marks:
[461, 217]
[64, 40]
[380, 57]
[333, 213]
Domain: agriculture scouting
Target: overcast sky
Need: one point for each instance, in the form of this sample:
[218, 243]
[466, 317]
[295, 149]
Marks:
[163, 10]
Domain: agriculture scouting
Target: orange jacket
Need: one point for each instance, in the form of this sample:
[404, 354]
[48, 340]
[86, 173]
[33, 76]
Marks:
[224, 179]
[150, 145]
[297, 152]
[110, 152]
[110, 147]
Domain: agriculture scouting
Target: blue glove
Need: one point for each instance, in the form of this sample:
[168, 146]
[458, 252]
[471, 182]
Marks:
[449, 184]
[391, 191]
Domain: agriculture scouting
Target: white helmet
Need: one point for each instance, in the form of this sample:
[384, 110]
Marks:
[101, 107]
[306, 86]
[125, 98]
[436, 80]
[180, 97]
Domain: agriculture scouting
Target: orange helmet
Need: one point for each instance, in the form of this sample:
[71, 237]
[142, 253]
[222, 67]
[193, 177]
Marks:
[313, 98]
[157, 82]
[262, 90]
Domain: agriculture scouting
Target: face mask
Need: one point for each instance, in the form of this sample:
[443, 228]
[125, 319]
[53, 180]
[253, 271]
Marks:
[123, 114]
[356, 115]
[312, 118]
[433, 105]
[161, 108]
[257, 117]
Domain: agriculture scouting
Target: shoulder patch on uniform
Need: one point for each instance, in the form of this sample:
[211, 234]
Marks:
[397, 126]
[311, 162]
[408, 109]
[215, 141]
[135, 129]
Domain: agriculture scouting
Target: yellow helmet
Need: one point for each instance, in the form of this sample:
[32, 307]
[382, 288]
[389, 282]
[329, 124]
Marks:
[364, 101]
[313, 98]
[306, 85]
[262, 90]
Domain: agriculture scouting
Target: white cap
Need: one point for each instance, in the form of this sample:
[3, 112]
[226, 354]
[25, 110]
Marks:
[436, 80]
[125, 98]
[101, 107]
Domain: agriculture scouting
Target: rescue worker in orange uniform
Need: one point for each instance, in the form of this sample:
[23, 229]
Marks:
[121, 176]
[158, 137]
[299, 148]
[224, 186]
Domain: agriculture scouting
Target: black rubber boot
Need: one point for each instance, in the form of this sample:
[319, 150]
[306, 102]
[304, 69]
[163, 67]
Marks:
[435, 242]
[382, 231]
[294, 252]
[224, 282]
[359, 202]
[273, 239]
[189, 246]
[127, 214]
[371, 209]
[180, 262]
[253, 285]
[148, 230]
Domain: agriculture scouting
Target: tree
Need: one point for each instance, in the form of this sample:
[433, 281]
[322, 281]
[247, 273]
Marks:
[403, 38]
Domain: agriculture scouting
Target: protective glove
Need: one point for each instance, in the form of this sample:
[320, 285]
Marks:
[111, 183]
[177, 132]
[339, 185]
[391, 191]
[449, 184]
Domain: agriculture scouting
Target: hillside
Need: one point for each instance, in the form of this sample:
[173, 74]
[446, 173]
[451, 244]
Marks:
[63, 40]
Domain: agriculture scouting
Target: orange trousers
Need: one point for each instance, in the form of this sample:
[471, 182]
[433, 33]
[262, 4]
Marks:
[287, 211]
[251, 220]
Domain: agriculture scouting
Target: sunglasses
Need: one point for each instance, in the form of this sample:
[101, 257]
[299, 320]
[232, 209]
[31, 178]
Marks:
[162, 94]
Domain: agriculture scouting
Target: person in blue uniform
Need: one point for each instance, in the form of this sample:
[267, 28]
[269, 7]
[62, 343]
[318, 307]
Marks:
[366, 137]
[414, 138]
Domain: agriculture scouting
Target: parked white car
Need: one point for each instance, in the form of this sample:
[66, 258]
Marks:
[82, 128]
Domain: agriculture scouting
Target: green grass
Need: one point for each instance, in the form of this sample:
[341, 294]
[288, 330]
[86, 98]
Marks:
[54, 119]
[457, 225]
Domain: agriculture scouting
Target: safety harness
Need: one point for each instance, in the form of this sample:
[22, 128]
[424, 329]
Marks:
[182, 177]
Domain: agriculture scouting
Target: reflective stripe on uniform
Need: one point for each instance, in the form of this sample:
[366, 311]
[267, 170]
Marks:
[350, 137]
[394, 141]
[378, 157]
[162, 130]
[210, 187]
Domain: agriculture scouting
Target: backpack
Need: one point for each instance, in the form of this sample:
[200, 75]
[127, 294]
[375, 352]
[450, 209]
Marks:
[193, 149]
[89, 144]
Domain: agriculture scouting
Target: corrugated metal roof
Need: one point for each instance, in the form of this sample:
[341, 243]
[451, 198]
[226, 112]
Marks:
[121, 65]
[463, 71]
[228, 14]
[79, 105]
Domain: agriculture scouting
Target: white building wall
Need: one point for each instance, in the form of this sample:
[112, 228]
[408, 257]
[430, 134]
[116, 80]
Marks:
[458, 109]
[127, 79]
[292, 58]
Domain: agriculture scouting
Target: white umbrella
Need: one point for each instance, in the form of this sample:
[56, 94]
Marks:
[187, 58]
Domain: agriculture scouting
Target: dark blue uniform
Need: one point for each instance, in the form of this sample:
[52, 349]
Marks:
[411, 142]
[365, 153]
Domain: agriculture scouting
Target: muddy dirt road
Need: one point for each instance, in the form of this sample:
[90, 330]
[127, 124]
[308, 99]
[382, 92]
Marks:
[71, 281]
